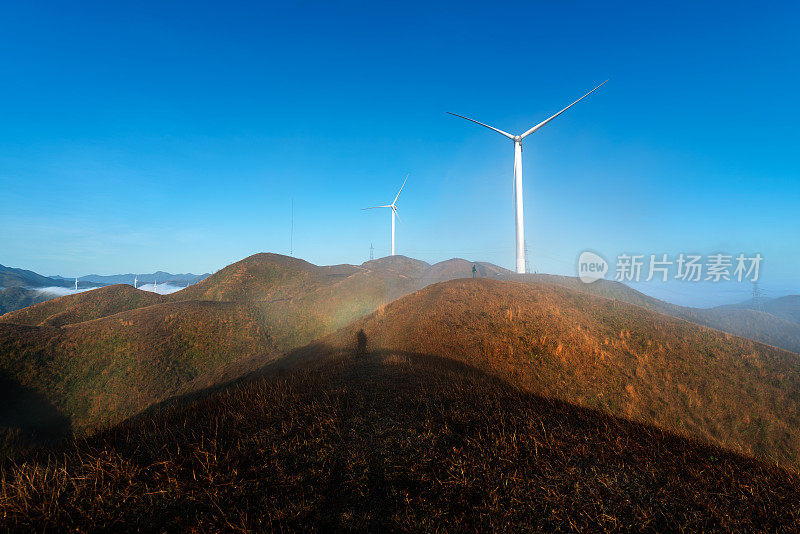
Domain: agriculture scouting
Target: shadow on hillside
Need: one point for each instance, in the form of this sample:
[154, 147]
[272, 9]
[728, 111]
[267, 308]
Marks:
[27, 417]
[365, 363]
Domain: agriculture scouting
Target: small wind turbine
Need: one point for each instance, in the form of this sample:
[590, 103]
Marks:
[135, 280]
[393, 206]
[76, 283]
[518, 174]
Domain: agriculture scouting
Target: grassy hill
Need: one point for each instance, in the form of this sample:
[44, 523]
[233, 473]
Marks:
[388, 440]
[604, 354]
[99, 372]
[254, 310]
[103, 355]
[15, 298]
[85, 306]
[772, 329]
[273, 278]
[261, 277]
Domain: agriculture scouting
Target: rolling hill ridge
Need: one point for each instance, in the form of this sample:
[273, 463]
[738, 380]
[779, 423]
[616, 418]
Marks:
[605, 354]
[349, 439]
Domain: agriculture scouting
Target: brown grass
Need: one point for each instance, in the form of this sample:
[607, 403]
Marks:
[390, 441]
[605, 354]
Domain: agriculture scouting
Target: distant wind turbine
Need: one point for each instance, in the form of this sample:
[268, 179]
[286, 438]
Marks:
[393, 206]
[518, 174]
[76, 283]
[135, 280]
[155, 286]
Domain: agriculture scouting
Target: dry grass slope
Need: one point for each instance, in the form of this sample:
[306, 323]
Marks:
[390, 441]
[99, 372]
[94, 304]
[605, 354]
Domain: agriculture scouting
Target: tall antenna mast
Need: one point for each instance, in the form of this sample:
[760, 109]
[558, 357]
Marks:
[135, 280]
[291, 233]
[371, 252]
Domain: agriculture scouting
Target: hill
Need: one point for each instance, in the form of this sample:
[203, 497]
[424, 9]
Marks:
[103, 355]
[787, 308]
[260, 277]
[275, 278]
[605, 354]
[15, 298]
[84, 306]
[13, 277]
[385, 441]
[288, 301]
[99, 372]
[753, 324]
[159, 276]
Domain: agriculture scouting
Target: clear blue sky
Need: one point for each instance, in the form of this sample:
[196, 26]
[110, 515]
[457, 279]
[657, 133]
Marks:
[166, 135]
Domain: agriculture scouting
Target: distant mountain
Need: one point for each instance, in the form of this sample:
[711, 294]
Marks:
[15, 298]
[753, 324]
[13, 277]
[85, 306]
[787, 307]
[26, 284]
[143, 278]
[601, 353]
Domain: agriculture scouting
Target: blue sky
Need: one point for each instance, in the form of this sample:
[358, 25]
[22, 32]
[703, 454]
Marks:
[174, 135]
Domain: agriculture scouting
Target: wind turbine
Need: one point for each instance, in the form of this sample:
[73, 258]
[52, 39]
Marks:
[135, 280]
[518, 174]
[76, 283]
[393, 206]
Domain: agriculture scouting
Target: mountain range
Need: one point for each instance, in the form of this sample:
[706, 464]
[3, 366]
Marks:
[396, 394]
[20, 288]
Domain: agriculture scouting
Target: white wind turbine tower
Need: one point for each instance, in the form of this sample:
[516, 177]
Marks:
[76, 283]
[518, 174]
[135, 280]
[393, 206]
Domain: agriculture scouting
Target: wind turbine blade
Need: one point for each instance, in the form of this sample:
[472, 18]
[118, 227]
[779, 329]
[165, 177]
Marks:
[401, 189]
[374, 207]
[396, 214]
[501, 132]
[523, 136]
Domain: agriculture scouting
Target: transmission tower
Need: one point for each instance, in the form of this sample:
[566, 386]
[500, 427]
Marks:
[527, 265]
[291, 233]
[757, 297]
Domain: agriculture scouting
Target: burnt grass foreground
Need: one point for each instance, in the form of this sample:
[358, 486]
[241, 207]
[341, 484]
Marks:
[389, 441]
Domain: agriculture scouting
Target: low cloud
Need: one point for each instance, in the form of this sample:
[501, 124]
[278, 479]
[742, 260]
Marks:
[56, 291]
[161, 289]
